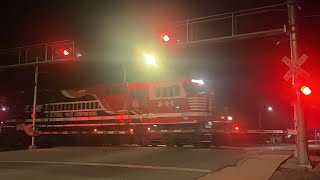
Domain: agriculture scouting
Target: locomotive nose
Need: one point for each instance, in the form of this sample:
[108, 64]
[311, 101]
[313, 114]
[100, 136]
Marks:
[201, 103]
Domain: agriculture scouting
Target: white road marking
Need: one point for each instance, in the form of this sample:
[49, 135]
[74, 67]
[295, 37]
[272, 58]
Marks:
[115, 165]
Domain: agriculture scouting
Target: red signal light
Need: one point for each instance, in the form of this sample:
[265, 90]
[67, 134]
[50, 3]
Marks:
[64, 52]
[131, 130]
[306, 90]
[237, 128]
[165, 37]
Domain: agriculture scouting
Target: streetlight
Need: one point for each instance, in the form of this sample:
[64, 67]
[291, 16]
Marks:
[270, 109]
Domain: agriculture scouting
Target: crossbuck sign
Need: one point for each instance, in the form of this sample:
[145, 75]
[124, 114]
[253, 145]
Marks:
[295, 68]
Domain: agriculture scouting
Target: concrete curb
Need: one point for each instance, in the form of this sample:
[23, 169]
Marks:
[283, 162]
[260, 166]
[244, 160]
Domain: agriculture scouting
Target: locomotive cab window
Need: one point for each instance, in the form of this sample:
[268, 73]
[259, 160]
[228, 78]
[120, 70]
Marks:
[177, 91]
[119, 89]
[194, 88]
[158, 92]
[170, 91]
[138, 93]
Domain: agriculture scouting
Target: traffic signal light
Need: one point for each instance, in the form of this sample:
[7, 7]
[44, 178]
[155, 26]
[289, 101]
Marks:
[237, 128]
[305, 90]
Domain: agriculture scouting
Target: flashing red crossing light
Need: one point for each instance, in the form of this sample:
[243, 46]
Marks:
[306, 90]
[165, 37]
[65, 52]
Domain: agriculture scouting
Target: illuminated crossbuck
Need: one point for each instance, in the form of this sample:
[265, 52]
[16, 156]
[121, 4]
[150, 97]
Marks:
[295, 67]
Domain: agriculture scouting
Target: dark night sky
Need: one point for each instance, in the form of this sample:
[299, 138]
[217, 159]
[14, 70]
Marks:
[245, 74]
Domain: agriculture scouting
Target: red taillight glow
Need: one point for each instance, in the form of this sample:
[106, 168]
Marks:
[95, 130]
[121, 116]
[237, 128]
[131, 130]
[149, 129]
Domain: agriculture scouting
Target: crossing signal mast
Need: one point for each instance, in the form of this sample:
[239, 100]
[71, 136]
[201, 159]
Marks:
[190, 37]
[188, 32]
[34, 55]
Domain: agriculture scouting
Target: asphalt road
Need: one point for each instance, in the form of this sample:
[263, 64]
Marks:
[117, 162]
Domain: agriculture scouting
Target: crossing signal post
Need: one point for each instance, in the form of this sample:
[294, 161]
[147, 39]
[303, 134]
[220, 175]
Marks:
[295, 62]
[34, 111]
[35, 55]
[295, 70]
[294, 74]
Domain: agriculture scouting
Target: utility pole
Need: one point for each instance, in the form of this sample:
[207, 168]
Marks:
[33, 144]
[302, 143]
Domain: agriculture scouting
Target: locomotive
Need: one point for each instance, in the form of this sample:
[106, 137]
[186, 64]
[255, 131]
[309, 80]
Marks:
[175, 112]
